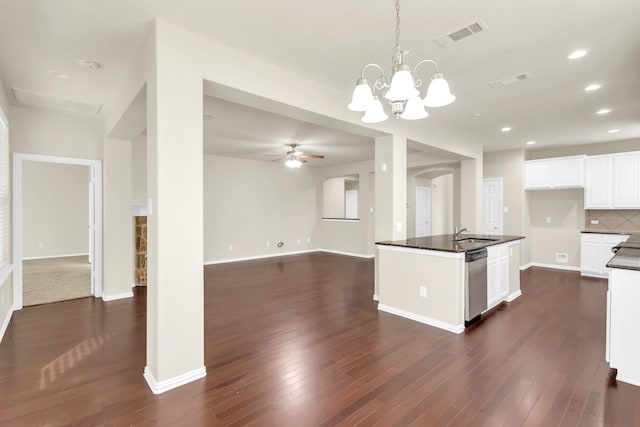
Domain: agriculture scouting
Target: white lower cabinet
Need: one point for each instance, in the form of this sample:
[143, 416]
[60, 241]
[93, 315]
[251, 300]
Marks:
[497, 274]
[595, 252]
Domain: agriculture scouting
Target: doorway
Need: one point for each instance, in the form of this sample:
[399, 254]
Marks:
[423, 211]
[91, 261]
[492, 208]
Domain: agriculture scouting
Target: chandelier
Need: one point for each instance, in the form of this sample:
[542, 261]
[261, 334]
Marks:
[402, 93]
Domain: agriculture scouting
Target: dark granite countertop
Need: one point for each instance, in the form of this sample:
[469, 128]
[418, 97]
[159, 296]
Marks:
[446, 243]
[607, 232]
[628, 255]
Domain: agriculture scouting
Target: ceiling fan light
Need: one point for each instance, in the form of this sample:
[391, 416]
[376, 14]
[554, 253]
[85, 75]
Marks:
[438, 94]
[293, 163]
[414, 109]
[375, 113]
[402, 86]
[362, 96]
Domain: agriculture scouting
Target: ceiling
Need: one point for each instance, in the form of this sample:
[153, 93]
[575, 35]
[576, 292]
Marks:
[329, 41]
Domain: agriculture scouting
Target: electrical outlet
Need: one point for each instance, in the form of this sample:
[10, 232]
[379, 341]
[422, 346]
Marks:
[40, 245]
[268, 244]
[308, 239]
[595, 222]
[230, 247]
[562, 258]
[548, 220]
[423, 291]
[299, 241]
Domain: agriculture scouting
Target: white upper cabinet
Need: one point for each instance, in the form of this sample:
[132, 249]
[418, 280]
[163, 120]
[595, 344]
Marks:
[598, 188]
[626, 181]
[613, 182]
[556, 173]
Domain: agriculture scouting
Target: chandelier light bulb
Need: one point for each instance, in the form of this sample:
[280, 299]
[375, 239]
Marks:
[375, 113]
[414, 109]
[438, 94]
[362, 96]
[402, 87]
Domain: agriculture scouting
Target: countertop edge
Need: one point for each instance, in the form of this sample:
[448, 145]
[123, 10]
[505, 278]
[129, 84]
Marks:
[401, 244]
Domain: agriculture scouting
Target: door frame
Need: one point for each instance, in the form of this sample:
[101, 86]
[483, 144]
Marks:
[430, 192]
[95, 202]
[500, 182]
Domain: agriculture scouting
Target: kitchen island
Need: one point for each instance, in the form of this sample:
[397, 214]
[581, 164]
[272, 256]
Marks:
[623, 298]
[423, 278]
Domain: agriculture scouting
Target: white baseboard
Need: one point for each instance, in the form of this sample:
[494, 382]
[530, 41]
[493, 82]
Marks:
[306, 251]
[626, 380]
[329, 251]
[53, 256]
[456, 329]
[256, 257]
[513, 296]
[5, 323]
[158, 387]
[117, 296]
[526, 266]
[376, 297]
[554, 266]
[597, 276]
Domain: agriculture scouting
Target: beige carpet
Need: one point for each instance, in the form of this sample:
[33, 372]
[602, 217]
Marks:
[55, 279]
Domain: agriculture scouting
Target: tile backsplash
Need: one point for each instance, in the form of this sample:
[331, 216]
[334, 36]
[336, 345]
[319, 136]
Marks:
[613, 220]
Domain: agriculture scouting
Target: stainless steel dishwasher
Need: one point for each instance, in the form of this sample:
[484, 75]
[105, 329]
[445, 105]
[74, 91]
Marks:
[475, 285]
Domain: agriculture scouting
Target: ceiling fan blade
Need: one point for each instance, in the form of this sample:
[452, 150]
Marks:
[311, 156]
[273, 155]
[301, 160]
[277, 160]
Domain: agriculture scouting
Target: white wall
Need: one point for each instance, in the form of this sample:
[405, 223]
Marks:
[55, 209]
[248, 203]
[139, 170]
[442, 205]
[53, 133]
[354, 237]
[6, 284]
[565, 208]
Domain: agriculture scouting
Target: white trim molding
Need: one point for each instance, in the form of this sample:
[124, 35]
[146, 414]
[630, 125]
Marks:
[53, 256]
[526, 266]
[5, 323]
[513, 296]
[265, 256]
[456, 329]
[115, 297]
[553, 266]
[330, 251]
[376, 297]
[158, 387]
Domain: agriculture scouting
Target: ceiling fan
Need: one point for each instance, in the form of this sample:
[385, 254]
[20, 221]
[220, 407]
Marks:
[294, 157]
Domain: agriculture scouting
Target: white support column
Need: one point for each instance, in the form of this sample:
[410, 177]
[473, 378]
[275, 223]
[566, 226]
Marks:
[175, 293]
[471, 195]
[390, 191]
[118, 222]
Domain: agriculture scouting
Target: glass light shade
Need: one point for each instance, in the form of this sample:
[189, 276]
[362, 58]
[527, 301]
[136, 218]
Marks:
[414, 109]
[402, 86]
[293, 163]
[438, 93]
[362, 96]
[375, 113]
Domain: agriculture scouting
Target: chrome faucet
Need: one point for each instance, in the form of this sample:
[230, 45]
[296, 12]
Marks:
[457, 231]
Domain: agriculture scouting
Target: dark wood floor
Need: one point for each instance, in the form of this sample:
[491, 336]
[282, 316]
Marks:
[298, 341]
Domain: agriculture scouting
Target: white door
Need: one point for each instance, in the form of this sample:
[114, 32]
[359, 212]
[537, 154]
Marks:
[492, 205]
[423, 211]
[351, 204]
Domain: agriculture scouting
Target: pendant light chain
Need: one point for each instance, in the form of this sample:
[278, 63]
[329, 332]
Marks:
[397, 24]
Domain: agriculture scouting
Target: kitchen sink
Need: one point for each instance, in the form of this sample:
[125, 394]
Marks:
[474, 240]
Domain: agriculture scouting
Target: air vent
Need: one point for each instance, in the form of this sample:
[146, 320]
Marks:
[458, 34]
[29, 97]
[510, 80]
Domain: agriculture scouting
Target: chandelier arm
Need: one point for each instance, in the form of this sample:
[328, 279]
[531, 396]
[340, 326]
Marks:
[380, 83]
[418, 82]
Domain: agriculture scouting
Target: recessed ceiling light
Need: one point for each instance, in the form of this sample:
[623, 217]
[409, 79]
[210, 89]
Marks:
[531, 142]
[86, 64]
[592, 87]
[614, 130]
[477, 114]
[59, 74]
[576, 54]
[505, 129]
[603, 111]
